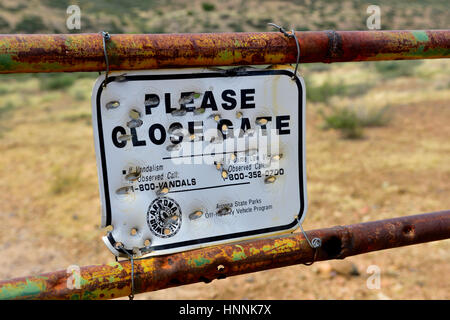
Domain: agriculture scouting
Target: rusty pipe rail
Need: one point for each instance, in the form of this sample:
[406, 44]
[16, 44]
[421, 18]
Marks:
[84, 52]
[218, 262]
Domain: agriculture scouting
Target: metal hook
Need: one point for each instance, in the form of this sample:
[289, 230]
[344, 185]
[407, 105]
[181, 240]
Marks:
[290, 35]
[105, 37]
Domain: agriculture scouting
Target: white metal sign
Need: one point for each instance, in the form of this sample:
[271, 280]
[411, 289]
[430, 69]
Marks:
[193, 157]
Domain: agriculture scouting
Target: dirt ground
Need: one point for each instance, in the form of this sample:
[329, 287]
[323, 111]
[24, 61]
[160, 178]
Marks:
[50, 209]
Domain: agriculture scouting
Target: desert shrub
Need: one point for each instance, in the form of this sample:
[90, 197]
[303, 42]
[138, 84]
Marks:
[3, 90]
[17, 8]
[235, 26]
[326, 25]
[316, 67]
[56, 81]
[31, 24]
[354, 90]
[79, 95]
[85, 75]
[208, 26]
[4, 24]
[324, 91]
[302, 28]
[399, 68]
[208, 6]
[344, 120]
[60, 4]
[158, 28]
[351, 121]
[259, 23]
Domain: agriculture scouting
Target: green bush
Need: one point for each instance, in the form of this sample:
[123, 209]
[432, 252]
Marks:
[208, 6]
[4, 24]
[31, 24]
[328, 89]
[259, 23]
[236, 26]
[324, 91]
[344, 120]
[398, 68]
[351, 121]
[316, 67]
[56, 81]
[15, 9]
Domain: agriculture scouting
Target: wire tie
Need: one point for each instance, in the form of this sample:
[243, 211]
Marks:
[290, 35]
[105, 37]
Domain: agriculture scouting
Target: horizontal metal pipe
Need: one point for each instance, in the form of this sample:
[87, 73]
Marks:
[84, 52]
[204, 265]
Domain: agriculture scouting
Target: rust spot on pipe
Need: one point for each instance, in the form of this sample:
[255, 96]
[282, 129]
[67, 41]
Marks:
[334, 46]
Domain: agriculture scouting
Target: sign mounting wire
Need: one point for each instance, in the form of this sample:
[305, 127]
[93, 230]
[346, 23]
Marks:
[290, 35]
[105, 37]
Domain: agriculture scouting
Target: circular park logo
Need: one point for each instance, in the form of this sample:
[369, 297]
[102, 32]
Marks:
[164, 217]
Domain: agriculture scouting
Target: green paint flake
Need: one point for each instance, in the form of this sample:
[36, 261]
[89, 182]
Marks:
[114, 264]
[28, 289]
[198, 262]
[419, 53]
[239, 255]
[83, 281]
[68, 42]
[228, 55]
[420, 35]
